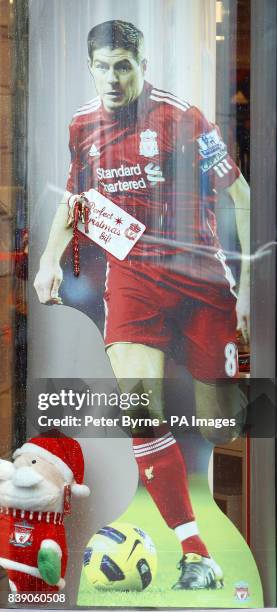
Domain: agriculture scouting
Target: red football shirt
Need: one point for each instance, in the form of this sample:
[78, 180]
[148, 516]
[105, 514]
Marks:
[162, 161]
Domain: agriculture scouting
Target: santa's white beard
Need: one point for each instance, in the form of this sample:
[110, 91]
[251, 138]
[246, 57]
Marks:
[42, 496]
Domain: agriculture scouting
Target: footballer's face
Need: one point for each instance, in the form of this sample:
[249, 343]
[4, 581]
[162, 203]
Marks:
[118, 76]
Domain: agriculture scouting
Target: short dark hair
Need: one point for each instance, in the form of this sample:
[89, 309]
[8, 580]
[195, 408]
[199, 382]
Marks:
[116, 34]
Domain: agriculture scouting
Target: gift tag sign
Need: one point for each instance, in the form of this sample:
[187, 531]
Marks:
[110, 226]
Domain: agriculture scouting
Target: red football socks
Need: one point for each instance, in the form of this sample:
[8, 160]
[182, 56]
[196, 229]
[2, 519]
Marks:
[163, 472]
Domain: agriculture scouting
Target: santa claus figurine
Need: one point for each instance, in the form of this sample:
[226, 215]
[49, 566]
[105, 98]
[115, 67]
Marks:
[35, 495]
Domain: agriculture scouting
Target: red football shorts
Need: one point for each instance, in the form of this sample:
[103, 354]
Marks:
[146, 305]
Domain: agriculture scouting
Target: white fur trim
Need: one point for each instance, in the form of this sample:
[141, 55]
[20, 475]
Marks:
[38, 451]
[6, 469]
[61, 584]
[12, 586]
[19, 567]
[80, 490]
[52, 545]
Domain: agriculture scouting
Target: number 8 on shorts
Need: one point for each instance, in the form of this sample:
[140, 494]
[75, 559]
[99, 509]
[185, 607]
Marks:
[231, 355]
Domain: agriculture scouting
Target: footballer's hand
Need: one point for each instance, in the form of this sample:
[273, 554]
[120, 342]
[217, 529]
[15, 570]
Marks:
[47, 283]
[243, 312]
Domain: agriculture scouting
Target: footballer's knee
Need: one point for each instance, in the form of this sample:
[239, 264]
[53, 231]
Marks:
[222, 408]
[220, 435]
[139, 369]
[137, 361]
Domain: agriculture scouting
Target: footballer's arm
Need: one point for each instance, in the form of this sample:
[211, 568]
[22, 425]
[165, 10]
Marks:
[49, 276]
[240, 194]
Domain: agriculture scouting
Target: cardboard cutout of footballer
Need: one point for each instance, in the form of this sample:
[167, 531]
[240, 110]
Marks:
[137, 227]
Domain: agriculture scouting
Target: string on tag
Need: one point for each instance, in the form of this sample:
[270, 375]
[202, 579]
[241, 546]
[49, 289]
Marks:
[67, 499]
[80, 213]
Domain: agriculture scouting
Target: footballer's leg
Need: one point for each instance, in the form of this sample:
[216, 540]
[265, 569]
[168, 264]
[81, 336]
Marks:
[161, 464]
[213, 362]
[211, 354]
[134, 360]
[133, 365]
[215, 402]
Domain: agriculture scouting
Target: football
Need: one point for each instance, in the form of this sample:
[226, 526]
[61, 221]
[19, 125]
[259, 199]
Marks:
[120, 557]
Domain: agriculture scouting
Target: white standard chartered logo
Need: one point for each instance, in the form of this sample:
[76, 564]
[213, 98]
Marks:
[154, 174]
[123, 183]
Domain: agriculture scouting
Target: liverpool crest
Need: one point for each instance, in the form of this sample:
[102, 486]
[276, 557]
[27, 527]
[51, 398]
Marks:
[132, 231]
[149, 472]
[22, 535]
[148, 144]
[242, 591]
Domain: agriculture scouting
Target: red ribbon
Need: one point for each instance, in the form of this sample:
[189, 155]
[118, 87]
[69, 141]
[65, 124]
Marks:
[80, 213]
[76, 250]
[67, 499]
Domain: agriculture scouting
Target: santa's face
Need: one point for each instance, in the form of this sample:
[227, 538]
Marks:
[31, 483]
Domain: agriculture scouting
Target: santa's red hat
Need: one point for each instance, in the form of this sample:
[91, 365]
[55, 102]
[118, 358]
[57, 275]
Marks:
[65, 454]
